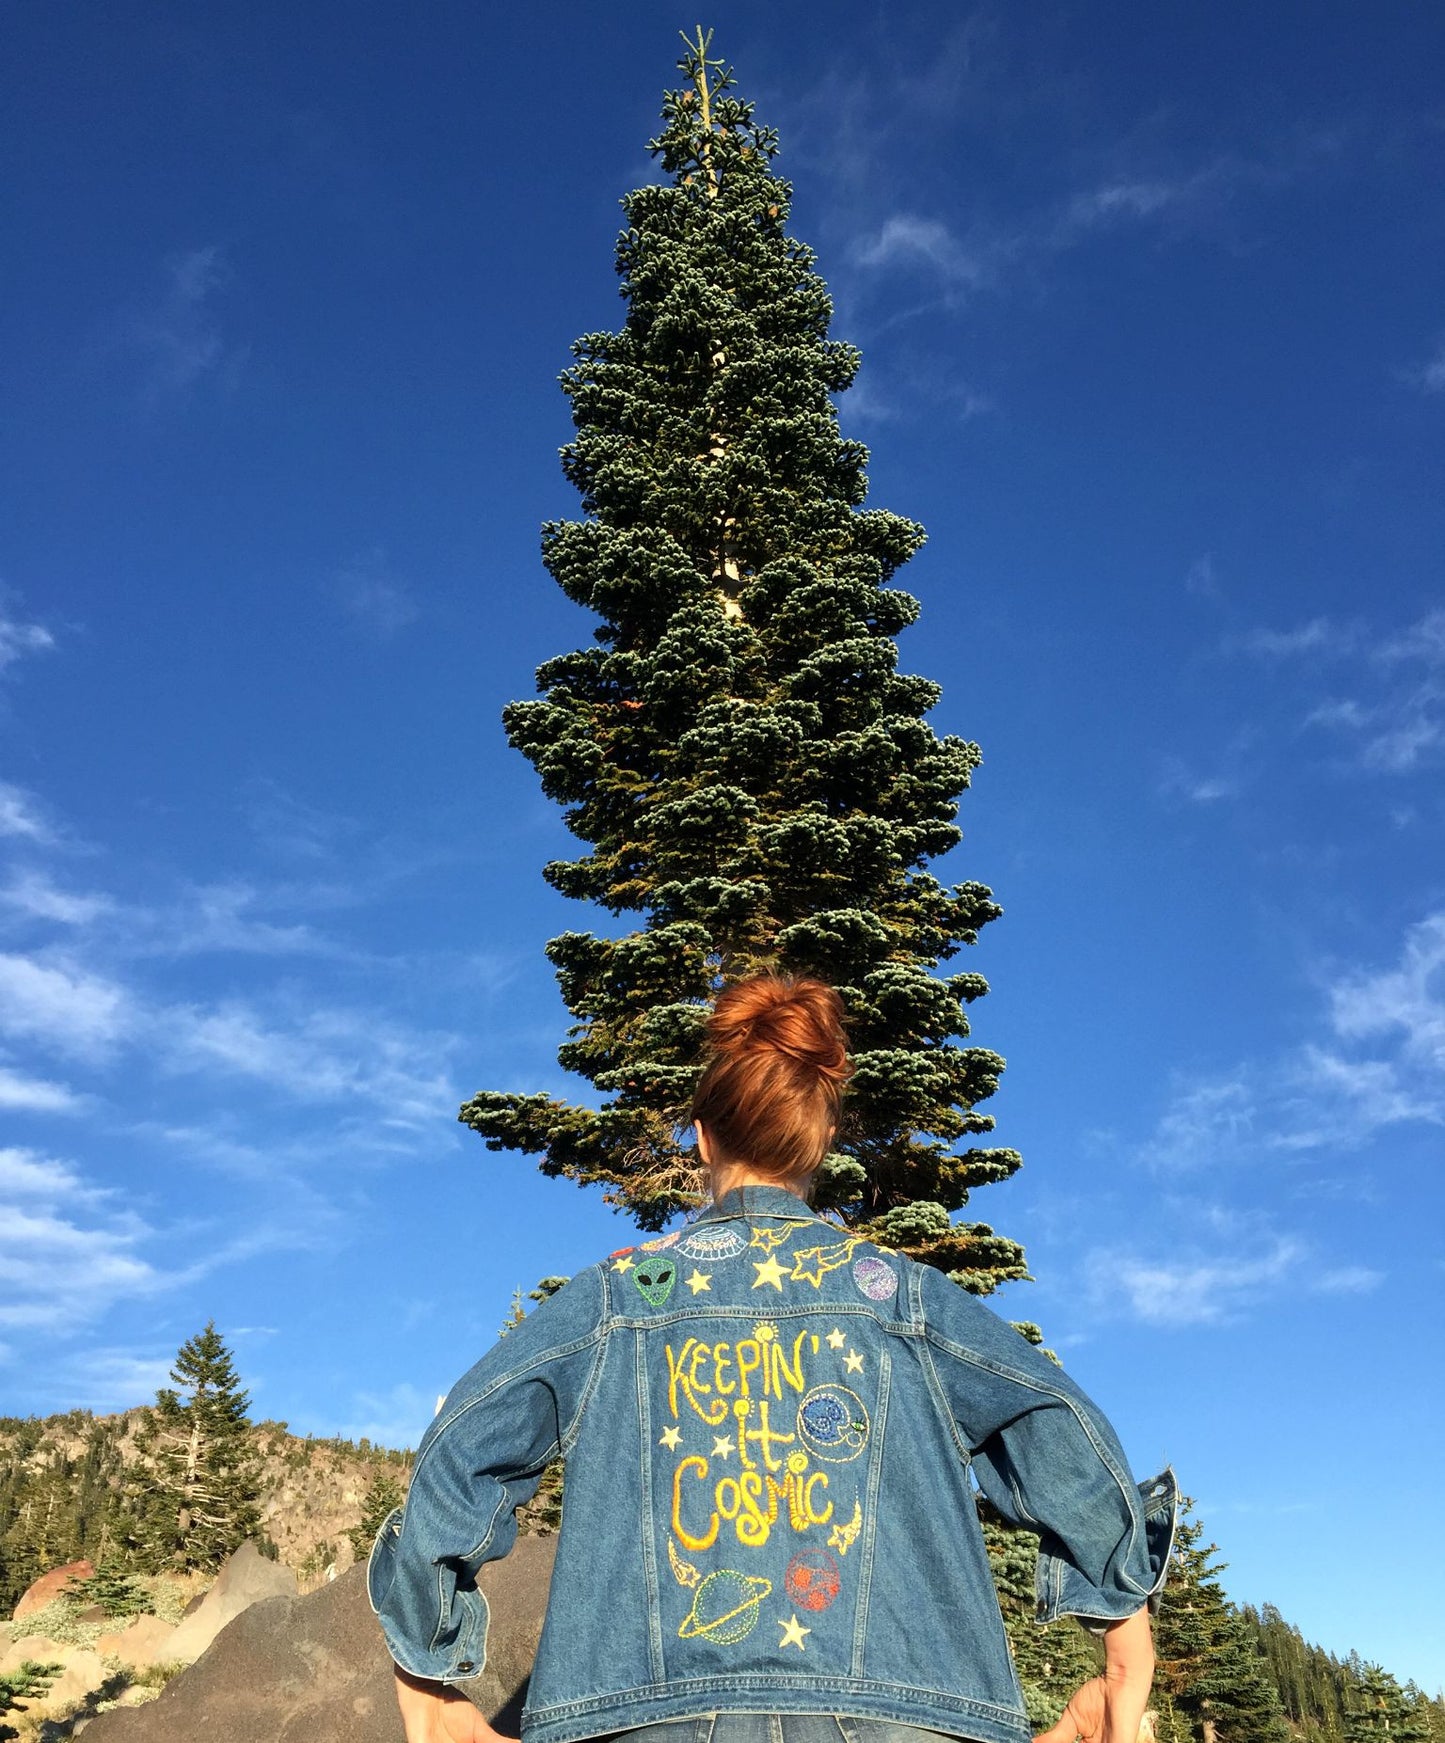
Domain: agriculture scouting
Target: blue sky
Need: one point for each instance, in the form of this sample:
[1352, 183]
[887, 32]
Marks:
[1150, 304]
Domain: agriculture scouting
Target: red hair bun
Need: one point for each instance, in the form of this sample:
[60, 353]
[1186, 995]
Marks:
[778, 1062]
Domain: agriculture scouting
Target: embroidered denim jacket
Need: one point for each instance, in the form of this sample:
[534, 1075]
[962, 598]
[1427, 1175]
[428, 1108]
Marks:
[769, 1427]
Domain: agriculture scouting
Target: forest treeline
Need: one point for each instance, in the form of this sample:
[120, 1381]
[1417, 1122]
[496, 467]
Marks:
[179, 1484]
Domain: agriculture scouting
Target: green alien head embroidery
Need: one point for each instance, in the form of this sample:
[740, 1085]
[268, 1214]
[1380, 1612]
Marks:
[654, 1279]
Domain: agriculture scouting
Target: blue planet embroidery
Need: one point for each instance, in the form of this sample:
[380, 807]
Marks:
[833, 1424]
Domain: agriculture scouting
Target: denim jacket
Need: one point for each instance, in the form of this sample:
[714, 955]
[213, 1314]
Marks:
[769, 1427]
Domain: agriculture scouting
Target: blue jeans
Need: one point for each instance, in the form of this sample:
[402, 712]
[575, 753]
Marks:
[778, 1728]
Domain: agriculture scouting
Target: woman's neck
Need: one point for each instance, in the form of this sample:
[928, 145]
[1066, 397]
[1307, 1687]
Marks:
[725, 1177]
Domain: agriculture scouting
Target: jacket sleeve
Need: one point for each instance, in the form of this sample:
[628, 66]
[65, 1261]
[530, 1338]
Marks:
[484, 1454]
[1047, 1459]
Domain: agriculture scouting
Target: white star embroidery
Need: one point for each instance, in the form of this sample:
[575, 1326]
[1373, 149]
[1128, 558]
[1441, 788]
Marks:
[722, 1445]
[853, 1362]
[836, 1339]
[671, 1438]
[699, 1281]
[793, 1632]
[769, 1271]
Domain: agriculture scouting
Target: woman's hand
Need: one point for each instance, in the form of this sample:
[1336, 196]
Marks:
[1110, 1708]
[433, 1713]
[1083, 1717]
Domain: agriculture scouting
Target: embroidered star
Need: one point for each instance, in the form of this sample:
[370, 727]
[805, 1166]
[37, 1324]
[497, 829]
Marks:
[853, 1362]
[625, 1263]
[843, 1537]
[836, 1340]
[769, 1271]
[699, 1281]
[671, 1438]
[767, 1240]
[793, 1632]
[722, 1445]
[811, 1264]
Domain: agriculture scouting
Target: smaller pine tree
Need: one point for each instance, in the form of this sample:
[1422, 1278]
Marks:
[1377, 1709]
[195, 1486]
[27, 1682]
[113, 1589]
[382, 1496]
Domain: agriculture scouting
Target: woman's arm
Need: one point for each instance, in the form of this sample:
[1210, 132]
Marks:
[1110, 1708]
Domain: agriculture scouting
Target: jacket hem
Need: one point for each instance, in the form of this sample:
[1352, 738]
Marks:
[850, 1697]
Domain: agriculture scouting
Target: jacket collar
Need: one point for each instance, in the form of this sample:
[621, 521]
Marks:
[760, 1201]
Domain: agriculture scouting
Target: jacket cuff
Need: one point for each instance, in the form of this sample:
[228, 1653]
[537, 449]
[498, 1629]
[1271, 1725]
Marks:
[1131, 1582]
[457, 1652]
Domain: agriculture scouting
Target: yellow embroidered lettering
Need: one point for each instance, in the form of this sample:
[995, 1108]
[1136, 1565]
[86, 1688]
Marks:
[766, 1436]
[674, 1373]
[727, 1497]
[750, 1359]
[683, 1535]
[753, 1525]
[721, 1361]
[781, 1370]
[810, 1507]
[700, 1353]
[740, 1410]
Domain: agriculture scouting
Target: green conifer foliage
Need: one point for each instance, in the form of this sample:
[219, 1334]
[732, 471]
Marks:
[196, 1482]
[27, 1682]
[1051, 1661]
[117, 1592]
[1213, 1682]
[752, 777]
[382, 1495]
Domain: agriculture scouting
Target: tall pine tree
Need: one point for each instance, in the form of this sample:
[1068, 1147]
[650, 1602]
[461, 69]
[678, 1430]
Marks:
[753, 778]
[1213, 1682]
[194, 1487]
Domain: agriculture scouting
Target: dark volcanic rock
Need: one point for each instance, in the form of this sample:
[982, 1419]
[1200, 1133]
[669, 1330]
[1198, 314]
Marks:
[314, 1669]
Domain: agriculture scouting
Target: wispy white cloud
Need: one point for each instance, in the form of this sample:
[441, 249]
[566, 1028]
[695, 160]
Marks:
[374, 600]
[327, 1055]
[1202, 579]
[1227, 1263]
[63, 1005]
[1329, 1093]
[34, 896]
[1320, 635]
[983, 255]
[20, 816]
[18, 639]
[179, 336]
[1391, 716]
[906, 239]
[22, 1093]
[111, 1378]
[1406, 1002]
[1429, 375]
[1191, 1289]
[67, 1251]
[225, 917]
[291, 826]
[1180, 782]
[1349, 1280]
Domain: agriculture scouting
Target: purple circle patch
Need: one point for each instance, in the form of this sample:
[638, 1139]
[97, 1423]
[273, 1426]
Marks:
[875, 1277]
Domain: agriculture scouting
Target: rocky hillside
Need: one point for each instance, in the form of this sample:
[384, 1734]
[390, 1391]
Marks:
[60, 1475]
